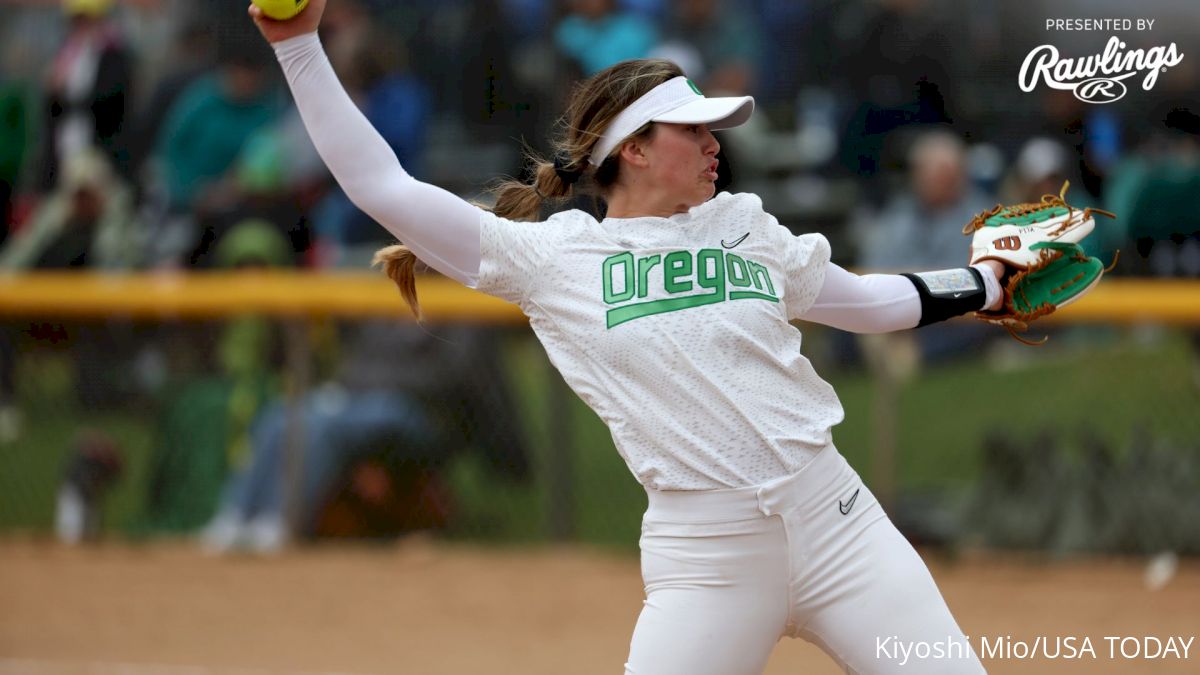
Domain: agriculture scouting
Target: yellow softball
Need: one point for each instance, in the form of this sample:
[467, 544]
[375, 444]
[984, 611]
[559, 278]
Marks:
[281, 10]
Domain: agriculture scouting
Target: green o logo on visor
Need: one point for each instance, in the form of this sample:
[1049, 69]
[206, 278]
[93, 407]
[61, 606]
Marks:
[695, 88]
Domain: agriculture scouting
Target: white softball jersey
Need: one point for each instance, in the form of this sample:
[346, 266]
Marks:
[675, 331]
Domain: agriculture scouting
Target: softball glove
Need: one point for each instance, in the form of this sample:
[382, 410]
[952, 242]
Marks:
[1012, 234]
[1061, 274]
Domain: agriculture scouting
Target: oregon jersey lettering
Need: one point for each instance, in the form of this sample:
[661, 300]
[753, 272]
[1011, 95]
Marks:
[706, 277]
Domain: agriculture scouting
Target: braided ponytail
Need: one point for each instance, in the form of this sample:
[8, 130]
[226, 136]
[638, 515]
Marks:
[552, 181]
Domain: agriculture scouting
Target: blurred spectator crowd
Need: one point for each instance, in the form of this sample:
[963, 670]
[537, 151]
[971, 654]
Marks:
[138, 133]
[158, 134]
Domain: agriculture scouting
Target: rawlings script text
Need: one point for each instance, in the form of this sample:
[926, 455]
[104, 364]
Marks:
[1096, 78]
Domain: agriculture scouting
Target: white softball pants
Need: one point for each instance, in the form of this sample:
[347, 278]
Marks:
[812, 555]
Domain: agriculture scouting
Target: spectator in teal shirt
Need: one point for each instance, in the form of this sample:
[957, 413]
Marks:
[595, 35]
[208, 126]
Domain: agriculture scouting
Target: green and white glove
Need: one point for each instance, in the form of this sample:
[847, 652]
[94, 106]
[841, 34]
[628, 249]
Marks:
[1010, 234]
[1062, 274]
[1038, 244]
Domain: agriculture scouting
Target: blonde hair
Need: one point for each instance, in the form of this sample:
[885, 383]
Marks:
[591, 107]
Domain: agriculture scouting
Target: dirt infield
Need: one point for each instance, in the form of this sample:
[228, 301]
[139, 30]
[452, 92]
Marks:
[433, 609]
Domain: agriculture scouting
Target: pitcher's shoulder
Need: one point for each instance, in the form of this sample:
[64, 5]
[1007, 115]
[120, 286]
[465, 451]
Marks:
[737, 200]
[559, 226]
[741, 206]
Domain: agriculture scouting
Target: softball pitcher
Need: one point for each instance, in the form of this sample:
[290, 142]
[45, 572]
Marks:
[670, 318]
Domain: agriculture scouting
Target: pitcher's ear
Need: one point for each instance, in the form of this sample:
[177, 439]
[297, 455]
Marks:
[633, 151]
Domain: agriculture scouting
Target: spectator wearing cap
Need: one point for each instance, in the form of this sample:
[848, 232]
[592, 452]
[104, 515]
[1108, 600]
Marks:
[1040, 168]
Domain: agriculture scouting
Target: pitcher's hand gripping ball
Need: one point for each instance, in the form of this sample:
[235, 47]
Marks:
[1038, 244]
[281, 10]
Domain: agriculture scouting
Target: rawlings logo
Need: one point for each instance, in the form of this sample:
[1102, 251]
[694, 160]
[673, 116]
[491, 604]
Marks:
[1007, 244]
[1096, 78]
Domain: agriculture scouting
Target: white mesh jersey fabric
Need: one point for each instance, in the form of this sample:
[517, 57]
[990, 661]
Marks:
[686, 352]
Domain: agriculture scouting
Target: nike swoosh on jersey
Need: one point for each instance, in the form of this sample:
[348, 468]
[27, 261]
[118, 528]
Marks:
[848, 504]
[736, 241]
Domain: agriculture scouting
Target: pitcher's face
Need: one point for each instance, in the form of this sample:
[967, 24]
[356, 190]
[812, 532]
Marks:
[682, 162]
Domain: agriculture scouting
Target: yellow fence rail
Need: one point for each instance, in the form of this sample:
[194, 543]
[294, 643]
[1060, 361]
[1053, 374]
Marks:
[214, 295]
[298, 294]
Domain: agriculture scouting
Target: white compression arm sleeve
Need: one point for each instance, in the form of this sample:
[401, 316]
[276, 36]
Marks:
[869, 303]
[439, 227]
[876, 303]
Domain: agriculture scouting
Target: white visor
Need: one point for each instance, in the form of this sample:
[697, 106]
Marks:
[678, 101]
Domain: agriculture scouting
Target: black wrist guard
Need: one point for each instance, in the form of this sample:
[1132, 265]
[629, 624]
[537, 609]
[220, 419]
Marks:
[948, 293]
